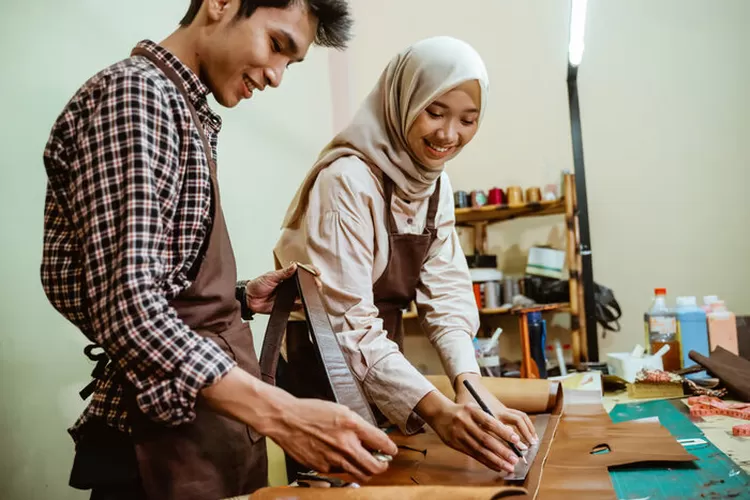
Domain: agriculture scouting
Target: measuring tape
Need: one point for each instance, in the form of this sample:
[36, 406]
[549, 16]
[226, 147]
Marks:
[703, 406]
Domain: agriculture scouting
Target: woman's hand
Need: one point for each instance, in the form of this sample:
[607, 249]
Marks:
[466, 428]
[508, 416]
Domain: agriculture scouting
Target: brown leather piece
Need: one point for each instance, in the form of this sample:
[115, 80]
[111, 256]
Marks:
[397, 286]
[531, 396]
[564, 468]
[731, 369]
[389, 492]
[743, 336]
[572, 471]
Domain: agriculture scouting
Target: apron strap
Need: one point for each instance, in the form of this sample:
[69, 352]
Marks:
[344, 385]
[175, 78]
[102, 360]
[390, 221]
[432, 208]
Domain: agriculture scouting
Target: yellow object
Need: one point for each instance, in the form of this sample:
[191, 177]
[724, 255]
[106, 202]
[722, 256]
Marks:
[640, 390]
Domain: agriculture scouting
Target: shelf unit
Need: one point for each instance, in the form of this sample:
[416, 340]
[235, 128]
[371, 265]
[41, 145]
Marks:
[480, 218]
[561, 307]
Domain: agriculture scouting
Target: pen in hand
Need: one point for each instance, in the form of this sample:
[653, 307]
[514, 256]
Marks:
[488, 412]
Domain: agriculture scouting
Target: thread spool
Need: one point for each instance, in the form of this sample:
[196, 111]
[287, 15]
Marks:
[478, 294]
[496, 196]
[461, 199]
[533, 195]
[491, 294]
[478, 199]
[550, 192]
[508, 291]
[515, 196]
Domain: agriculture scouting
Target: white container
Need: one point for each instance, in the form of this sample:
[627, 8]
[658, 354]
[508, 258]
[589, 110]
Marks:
[625, 366]
[484, 274]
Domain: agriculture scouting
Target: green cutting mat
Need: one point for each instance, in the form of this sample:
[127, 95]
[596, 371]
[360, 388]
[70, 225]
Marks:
[713, 476]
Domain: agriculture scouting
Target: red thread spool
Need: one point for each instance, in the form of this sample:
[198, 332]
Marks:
[496, 197]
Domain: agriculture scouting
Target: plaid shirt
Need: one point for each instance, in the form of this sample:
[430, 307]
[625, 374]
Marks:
[127, 210]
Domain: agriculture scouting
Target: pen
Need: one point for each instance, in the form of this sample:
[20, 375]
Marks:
[488, 412]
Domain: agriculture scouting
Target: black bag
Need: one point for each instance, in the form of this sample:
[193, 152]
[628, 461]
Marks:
[549, 291]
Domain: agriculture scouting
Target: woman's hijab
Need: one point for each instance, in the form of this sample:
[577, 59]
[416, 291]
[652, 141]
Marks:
[412, 81]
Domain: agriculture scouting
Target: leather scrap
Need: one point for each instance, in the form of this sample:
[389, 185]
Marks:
[733, 370]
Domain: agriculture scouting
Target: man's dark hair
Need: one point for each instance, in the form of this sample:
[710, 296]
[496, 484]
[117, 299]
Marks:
[334, 19]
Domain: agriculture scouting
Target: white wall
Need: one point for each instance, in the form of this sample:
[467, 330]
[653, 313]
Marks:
[666, 121]
[665, 110]
[266, 145]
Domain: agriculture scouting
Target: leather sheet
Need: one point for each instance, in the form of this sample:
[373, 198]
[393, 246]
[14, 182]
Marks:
[564, 468]
[388, 492]
[531, 396]
[572, 470]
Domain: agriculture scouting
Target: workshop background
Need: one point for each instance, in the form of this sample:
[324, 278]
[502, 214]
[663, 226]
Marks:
[666, 122]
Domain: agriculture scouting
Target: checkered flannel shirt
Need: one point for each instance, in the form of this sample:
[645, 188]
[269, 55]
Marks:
[127, 210]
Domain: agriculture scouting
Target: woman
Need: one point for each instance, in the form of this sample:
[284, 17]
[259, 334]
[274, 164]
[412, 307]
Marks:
[375, 215]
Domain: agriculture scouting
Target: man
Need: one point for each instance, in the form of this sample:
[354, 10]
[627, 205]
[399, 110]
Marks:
[136, 254]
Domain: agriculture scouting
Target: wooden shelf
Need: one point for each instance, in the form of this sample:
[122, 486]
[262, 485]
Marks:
[498, 213]
[560, 307]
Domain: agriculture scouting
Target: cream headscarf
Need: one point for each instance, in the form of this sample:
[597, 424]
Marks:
[412, 80]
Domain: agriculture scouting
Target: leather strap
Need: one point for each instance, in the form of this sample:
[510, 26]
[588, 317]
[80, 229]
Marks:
[345, 387]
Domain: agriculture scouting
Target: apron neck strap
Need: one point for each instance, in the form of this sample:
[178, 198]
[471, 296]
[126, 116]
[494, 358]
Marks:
[433, 206]
[178, 82]
[388, 194]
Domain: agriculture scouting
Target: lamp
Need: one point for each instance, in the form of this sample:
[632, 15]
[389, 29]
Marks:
[575, 56]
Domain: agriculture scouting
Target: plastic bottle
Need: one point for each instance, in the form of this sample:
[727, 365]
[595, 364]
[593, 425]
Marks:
[692, 330]
[722, 328]
[661, 328]
[708, 302]
[538, 340]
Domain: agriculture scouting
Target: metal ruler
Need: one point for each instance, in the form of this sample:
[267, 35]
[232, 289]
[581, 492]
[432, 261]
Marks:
[522, 469]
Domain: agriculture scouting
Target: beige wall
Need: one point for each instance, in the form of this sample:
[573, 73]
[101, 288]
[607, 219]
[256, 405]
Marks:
[665, 121]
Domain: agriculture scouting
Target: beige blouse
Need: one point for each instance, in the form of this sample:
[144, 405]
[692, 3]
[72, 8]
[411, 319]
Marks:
[344, 234]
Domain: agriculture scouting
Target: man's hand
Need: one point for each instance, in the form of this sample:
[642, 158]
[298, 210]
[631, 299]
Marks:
[327, 436]
[261, 292]
[318, 434]
[515, 418]
[466, 428]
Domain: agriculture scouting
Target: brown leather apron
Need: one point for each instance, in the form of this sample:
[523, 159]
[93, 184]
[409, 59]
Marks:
[397, 287]
[301, 374]
[213, 456]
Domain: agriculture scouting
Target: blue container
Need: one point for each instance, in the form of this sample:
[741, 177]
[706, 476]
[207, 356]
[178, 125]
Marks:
[691, 329]
[538, 341]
